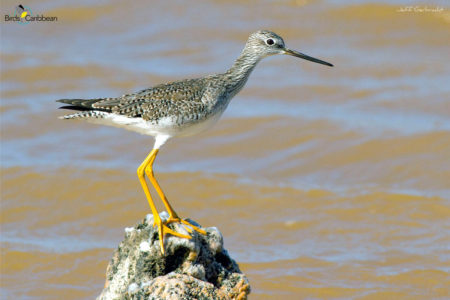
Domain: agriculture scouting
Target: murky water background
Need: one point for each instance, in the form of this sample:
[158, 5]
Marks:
[326, 182]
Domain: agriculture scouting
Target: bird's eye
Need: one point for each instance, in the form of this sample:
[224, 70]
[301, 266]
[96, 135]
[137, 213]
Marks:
[270, 42]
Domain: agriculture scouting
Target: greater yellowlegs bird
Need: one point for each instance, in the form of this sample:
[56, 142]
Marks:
[179, 108]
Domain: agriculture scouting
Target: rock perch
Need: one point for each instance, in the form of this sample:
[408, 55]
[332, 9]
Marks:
[199, 268]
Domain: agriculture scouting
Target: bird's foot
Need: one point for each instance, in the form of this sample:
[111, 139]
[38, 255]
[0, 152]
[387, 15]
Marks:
[163, 229]
[186, 224]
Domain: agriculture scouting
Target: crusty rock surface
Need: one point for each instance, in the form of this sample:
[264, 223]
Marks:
[197, 268]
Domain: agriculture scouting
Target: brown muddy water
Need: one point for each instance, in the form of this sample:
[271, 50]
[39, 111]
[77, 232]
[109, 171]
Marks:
[327, 183]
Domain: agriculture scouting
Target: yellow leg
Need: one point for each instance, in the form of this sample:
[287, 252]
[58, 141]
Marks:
[151, 176]
[173, 217]
[162, 228]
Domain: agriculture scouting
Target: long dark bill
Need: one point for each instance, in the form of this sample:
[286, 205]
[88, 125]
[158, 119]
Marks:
[304, 56]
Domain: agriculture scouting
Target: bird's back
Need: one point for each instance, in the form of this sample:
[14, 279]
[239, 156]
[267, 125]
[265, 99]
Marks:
[174, 98]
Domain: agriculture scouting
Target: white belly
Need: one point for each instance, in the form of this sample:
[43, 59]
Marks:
[165, 126]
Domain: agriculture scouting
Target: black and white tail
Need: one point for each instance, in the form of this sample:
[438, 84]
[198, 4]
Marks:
[85, 108]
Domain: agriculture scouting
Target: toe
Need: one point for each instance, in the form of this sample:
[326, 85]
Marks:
[199, 230]
[161, 238]
[174, 233]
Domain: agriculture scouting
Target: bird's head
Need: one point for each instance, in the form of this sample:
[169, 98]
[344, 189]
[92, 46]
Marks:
[265, 43]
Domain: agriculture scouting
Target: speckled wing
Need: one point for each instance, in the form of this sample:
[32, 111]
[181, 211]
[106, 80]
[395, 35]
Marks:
[180, 99]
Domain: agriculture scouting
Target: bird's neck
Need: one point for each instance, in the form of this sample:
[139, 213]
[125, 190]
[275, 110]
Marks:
[237, 75]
